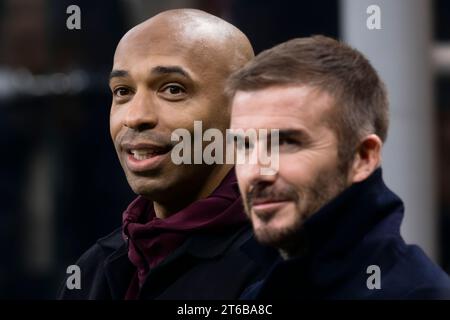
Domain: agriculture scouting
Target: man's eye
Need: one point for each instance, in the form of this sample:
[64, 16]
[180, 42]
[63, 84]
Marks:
[120, 92]
[173, 91]
[287, 141]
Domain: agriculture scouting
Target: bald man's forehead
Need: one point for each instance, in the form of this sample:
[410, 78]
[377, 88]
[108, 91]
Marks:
[190, 33]
[192, 25]
[179, 36]
[195, 55]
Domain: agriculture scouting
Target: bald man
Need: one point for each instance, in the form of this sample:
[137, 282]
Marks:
[186, 235]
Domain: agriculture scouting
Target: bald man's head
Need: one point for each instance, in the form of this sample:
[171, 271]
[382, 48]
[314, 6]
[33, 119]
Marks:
[205, 35]
[168, 72]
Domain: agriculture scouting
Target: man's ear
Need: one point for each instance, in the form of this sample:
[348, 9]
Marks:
[367, 158]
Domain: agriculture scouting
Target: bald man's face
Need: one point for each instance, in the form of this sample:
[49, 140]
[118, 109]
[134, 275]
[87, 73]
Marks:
[164, 79]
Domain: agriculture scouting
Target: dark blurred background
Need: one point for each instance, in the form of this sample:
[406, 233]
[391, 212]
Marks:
[61, 185]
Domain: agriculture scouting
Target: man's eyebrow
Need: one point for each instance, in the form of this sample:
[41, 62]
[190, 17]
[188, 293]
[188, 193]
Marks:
[284, 133]
[163, 70]
[158, 70]
[293, 133]
[118, 74]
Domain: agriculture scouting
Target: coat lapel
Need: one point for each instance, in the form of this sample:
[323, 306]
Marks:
[118, 272]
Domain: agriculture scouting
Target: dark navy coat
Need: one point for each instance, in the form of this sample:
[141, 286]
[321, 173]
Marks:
[352, 242]
[206, 266]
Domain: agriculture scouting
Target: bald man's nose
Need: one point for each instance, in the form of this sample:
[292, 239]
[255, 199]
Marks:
[141, 113]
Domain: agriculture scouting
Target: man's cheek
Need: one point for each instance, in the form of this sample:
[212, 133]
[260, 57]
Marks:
[240, 170]
[294, 165]
[114, 127]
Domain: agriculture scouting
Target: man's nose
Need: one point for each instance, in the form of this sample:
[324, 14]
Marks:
[253, 174]
[141, 113]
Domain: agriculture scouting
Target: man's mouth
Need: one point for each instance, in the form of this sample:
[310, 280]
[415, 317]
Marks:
[265, 208]
[144, 156]
[259, 201]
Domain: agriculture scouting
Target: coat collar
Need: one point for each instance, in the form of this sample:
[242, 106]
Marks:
[345, 220]
[119, 270]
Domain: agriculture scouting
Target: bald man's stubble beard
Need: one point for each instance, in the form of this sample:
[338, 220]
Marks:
[291, 240]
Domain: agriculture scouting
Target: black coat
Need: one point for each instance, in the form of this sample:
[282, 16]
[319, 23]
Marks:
[358, 229]
[206, 266]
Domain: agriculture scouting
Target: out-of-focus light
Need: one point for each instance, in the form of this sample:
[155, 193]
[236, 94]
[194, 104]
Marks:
[441, 57]
[23, 82]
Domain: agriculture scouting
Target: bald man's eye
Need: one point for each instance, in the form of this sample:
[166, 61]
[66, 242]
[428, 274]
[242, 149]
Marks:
[121, 92]
[173, 91]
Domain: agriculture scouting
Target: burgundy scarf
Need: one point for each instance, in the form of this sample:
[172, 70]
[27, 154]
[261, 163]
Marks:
[152, 239]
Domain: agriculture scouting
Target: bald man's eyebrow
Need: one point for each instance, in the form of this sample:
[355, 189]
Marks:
[118, 74]
[164, 70]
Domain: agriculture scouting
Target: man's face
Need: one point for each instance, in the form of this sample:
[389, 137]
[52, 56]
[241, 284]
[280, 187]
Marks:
[161, 83]
[308, 174]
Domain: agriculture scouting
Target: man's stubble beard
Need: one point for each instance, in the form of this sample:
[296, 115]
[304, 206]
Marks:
[290, 240]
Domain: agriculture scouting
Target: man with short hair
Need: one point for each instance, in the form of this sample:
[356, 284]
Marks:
[326, 207]
[186, 236]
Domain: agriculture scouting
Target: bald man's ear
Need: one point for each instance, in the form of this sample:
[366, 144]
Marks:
[367, 158]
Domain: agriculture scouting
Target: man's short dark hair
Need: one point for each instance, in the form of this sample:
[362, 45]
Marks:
[361, 104]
